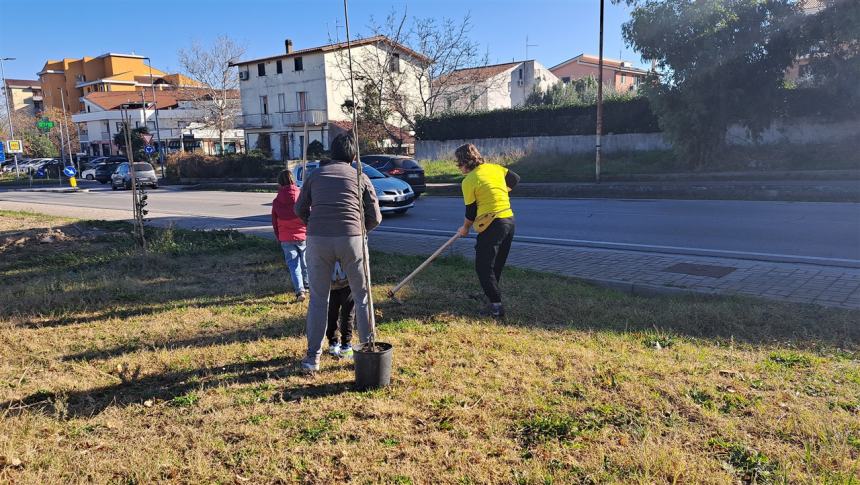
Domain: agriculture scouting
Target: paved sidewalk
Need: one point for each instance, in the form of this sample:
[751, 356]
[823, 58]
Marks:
[649, 273]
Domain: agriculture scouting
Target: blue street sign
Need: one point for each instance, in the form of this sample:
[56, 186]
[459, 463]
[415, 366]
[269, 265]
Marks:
[2, 153]
[40, 173]
[70, 171]
[149, 149]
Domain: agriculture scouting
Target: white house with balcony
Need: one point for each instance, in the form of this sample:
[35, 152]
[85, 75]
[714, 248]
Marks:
[180, 122]
[496, 86]
[302, 91]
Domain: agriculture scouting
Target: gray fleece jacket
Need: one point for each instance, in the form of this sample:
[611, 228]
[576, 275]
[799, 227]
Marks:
[328, 202]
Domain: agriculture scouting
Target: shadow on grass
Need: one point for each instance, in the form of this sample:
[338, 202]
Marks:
[178, 301]
[174, 388]
[542, 300]
[273, 328]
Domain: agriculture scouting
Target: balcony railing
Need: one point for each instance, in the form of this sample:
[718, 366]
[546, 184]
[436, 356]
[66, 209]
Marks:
[310, 116]
[254, 121]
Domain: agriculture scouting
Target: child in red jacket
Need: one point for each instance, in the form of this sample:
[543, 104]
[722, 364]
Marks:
[290, 232]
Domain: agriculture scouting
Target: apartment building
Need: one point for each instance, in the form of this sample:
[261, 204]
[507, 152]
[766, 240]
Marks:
[619, 75]
[109, 72]
[496, 86]
[302, 91]
[179, 122]
[24, 96]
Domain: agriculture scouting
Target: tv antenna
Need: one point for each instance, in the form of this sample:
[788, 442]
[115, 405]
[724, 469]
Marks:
[527, 47]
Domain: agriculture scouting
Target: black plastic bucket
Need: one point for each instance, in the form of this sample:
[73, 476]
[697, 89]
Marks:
[373, 368]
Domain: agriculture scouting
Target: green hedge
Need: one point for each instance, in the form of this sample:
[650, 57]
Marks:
[629, 116]
[227, 166]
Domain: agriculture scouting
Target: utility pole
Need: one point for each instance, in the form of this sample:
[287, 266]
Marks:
[66, 126]
[8, 110]
[599, 129]
[157, 128]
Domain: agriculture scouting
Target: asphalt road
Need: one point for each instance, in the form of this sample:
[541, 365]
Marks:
[778, 231]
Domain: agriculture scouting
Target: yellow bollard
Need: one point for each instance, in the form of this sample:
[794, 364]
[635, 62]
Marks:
[73, 182]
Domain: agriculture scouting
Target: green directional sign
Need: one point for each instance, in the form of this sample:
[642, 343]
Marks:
[45, 124]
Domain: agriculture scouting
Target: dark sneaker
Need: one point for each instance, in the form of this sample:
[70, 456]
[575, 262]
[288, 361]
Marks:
[300, 296]
[495, 310]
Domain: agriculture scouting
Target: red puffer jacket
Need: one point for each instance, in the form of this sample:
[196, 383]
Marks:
[285, 222]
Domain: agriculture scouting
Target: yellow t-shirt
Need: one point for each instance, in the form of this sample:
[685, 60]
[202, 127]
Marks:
[486, 186]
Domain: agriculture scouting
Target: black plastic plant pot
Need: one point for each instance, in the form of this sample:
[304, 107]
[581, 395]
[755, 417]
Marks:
[373, 366]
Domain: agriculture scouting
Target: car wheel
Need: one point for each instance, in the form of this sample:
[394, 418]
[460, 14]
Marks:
[127, 186]
[154, 186]
[112, 186]
[401, 211]
[102, 182]
[90, 177]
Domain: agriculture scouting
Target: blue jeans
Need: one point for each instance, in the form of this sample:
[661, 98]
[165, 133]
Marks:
[294, 254]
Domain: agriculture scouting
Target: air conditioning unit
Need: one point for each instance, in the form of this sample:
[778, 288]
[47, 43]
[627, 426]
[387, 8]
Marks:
[243, 75]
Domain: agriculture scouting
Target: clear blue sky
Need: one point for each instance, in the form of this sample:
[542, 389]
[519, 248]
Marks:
[53, 29]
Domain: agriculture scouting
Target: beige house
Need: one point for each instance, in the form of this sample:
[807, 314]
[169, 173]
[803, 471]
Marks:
[497, 86]
[24, 96]
[618, 75]
[297, 91]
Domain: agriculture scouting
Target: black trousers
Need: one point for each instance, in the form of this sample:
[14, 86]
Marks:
[340, 306]
[491, 253]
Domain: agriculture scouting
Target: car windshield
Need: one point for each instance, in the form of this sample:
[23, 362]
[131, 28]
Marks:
[371, 172]
[143, 167]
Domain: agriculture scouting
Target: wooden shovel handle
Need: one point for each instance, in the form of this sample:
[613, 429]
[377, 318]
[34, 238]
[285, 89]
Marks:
[423, 265]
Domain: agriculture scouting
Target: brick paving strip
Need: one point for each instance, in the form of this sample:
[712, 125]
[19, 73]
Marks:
[646, 273]
[633, 272]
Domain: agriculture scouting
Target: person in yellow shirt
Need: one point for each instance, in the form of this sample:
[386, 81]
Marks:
[488, 209]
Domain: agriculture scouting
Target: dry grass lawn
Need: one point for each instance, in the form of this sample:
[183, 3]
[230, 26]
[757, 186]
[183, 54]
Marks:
[182, 366]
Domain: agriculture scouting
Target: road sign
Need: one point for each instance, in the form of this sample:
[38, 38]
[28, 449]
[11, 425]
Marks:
[40, 173]
[45, 124]
[146, 137]
[2, 153]
[14, 146]
[70, 171]
[149, 149]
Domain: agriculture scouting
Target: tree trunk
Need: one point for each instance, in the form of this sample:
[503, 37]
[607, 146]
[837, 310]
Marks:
[221, 135]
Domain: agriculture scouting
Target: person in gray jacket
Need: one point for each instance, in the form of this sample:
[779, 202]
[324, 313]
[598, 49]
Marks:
[329, 205]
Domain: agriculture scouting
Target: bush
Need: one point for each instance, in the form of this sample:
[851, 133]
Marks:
[252, 165]
[619, 116]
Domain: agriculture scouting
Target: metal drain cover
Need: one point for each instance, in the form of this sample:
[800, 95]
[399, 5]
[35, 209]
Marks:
[708, 270]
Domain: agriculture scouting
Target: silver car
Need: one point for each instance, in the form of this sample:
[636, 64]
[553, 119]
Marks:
[144, 175]
[395, 196]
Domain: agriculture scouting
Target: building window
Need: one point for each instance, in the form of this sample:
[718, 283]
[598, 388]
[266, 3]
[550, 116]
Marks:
[151, 126]
[623, 78]
[282, 102]
[279, 67]
[118, 126]
[261, 69]
[521, 74]
[566, 79]
[264, 105]
[298, 64]
[302, 98]
[394, 63]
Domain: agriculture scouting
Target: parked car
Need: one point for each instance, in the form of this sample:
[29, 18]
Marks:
[405, 168]
[105, 170]
[32, 166]
[144, 174]
[89, 172]
[395, 195]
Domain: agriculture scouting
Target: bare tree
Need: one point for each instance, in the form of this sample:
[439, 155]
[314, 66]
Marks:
[418, 80]
[216, 84]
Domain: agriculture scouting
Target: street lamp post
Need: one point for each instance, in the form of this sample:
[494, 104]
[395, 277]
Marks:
[65, 122]
[599, 127]
[8, 110]
[157, 129]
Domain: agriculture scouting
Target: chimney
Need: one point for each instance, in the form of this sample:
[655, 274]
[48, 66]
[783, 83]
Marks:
[289, 45]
